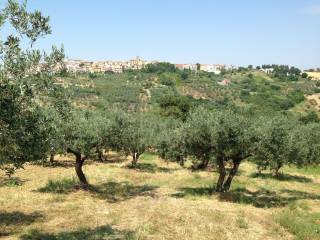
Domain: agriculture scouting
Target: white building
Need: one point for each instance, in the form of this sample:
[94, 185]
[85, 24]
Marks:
[213, 68]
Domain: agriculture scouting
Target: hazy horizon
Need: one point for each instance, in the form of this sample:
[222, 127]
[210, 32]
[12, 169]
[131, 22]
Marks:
[232, 32]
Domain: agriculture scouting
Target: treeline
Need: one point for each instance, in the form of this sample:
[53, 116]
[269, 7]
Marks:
[215, 138]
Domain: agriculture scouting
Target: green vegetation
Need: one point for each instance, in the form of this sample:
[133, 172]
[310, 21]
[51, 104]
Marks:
[301, 222]
[179, 114]
[210, 124]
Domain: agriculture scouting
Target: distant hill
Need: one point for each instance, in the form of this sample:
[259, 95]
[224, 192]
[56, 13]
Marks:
[252, 89]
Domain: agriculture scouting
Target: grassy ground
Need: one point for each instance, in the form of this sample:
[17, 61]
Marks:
[157, 201]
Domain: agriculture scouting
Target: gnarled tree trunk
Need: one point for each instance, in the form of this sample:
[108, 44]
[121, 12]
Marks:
[78, 167]
[233, 172]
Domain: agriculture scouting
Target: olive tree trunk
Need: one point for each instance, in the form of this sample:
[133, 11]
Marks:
[277, 169]
[51, 158]
[233, 172]
[135, 158]
[181, 160]
[222, 184]
[99, 153]
[78, 167]
[222, 173]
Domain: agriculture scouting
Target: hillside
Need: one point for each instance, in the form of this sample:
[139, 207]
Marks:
[135, 90]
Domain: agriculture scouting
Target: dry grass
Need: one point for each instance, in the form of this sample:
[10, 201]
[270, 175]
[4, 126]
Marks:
[314, 75]
[155, 201]
[314, 100]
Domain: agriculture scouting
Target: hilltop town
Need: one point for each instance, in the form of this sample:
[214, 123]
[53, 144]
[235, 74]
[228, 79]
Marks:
[135, 64]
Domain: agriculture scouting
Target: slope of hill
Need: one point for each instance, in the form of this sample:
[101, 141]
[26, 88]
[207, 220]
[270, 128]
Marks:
[137, 90]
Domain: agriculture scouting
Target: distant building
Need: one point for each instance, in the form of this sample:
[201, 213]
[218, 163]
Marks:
[267, 70]
[104, 66]
[134, 64]
[213, 68]
[192, 67]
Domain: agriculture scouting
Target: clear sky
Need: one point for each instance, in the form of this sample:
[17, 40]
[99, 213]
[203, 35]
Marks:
[239, 32]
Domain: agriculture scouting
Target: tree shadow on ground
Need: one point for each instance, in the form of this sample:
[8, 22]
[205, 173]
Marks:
[13, 222]
[282, 177]
[120, 191]
[11, 182]
[62, 186]
[55, 164]
[189, 191]
[103, 232]
[264, 198]
[110, 191]
[113, 159]
[150, 168]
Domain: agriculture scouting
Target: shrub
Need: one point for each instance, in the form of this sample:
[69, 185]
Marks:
[160, 67]
[175, 106]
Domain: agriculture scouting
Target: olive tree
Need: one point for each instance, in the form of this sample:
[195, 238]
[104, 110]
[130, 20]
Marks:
[133, 133]
[198, 135]
[304, 145]
[222, 135]
[271, 142]
[25, 83]
[23, 131]
[281, 140]
[171, 144]
[83, 133]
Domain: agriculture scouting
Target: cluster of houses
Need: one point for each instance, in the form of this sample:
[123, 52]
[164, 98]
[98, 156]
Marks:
[134, 64]
[104, 66]
[213, 68]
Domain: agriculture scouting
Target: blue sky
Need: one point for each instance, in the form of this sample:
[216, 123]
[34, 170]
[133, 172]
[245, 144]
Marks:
[187, 31]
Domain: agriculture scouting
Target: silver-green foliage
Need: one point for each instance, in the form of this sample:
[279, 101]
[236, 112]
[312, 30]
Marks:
[25, 83]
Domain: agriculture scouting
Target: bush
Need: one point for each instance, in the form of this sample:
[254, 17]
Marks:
[160, 67]
[286, 104]
[184, 75]
[93, 75]
[296, 96]
[311, 117]
[275, 87]
[166, 81]
[175, 106]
